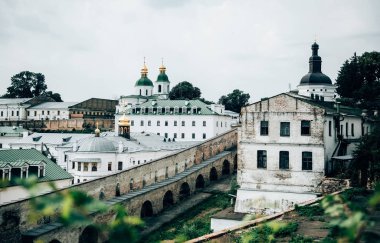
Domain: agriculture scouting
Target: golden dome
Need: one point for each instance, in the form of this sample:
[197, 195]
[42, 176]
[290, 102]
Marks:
[123, 121]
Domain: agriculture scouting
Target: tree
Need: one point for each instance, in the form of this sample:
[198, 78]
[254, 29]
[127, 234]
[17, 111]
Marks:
[27, 84]
[184, 90]
[359, 79]
[234, 101]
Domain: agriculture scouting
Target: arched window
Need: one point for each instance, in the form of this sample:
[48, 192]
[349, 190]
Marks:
[159, 88]
[146, 92]
[140, 91]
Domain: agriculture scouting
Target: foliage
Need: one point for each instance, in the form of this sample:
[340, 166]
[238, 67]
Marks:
[269, 232]
[309, 211]
[367, 159]
[234, 186]
[234, 101]
[300, 239]
[359, 79]
[207, 102]
[73, 207]
[27, 84]
[184, 90]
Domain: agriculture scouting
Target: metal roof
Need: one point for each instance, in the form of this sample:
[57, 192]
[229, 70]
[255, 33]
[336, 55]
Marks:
[52, 138]
[16, 157]
[54, 105]
[10, 101]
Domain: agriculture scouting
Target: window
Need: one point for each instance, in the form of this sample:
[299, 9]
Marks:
[132, 122]
[120, 165]
[305, 128]
[175, 123]
[346, 129]
[48, 112]
[166, 135]
[73, 165]
[216, 123]
[159, 88]
[264, 130]
[85, 166]
[158, 134]
[43, 112]
[35, 113]
[341, 130]
[183, 123]
[284, 160]
[204, 123]
[204, 135]
[193, 123]
[307, 161]
[66, 157]
[17, 113]
[109, 166]
[58, 113]
[262, 159]
[2, 113]
[94, 167]
[175, 135]
[182, 135]
[285, 129]
[79, 166]
[13, 113]
[330, 128]
[149, 123]
[141, 123]
[158, 123]
[352, 129]
[193, 135]
[166, 123]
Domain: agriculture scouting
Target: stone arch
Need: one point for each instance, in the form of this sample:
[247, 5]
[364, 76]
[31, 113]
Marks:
[117, 190]
[146, 209]
[199, 182]
[131, 184]
[168, 200]
[184, 191]
[101, 195]
[89, 234]
[226, 167]
[235, 164]
[213, 174]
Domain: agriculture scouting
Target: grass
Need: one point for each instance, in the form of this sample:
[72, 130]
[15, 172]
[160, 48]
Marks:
[310, 210]
[194, 223]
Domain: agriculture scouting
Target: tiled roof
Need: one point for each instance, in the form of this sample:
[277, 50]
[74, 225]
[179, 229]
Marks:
[17, 157]
[54, 105]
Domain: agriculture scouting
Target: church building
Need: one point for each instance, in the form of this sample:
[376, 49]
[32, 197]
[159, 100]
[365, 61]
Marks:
[288, 143]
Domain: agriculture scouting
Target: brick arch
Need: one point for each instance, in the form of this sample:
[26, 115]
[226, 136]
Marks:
[226, 167]
[213, 174]
[89, 234]
[168, 200]
[199, 182]
[146, 209]
[184, 191]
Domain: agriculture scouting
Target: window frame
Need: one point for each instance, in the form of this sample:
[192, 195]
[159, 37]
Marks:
[262, 158]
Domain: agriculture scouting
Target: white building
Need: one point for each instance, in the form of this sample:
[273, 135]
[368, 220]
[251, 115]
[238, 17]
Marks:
[24, 163]
[13, 108]
[11, 134]
[106, 154]
[287, 144]
[50, 111]
[150, 110]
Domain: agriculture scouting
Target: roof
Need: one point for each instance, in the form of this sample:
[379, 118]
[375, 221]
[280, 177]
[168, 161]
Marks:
[52, 138]
[162, 77]
[16, 131]
[14, 157]
[97, 144]
[202, 108]
[54, 105]
[9, 101]
[315, 78]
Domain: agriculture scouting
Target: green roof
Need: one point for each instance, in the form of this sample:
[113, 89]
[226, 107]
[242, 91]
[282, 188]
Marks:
[17, 157]
[162, 77]
[12, 131]
[202, 108]
[144, 81]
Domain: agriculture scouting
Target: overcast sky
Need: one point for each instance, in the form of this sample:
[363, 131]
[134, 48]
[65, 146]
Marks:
[96, 48]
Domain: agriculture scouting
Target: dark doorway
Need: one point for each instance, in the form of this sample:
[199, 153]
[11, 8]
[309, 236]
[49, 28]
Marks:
[200, 182]
[146, 210]
[54, 241]
[226, 168]
[184, 191]
[89, 234]
[213, 174]
[168, 200]
[235, 164]
[117, 193]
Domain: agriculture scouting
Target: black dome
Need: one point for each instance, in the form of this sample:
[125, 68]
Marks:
[315, 75]
[315, 78]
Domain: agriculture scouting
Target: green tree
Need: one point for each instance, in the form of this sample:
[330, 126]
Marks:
[27, 84]
[184, 90]
[234, 101]
[359, 79]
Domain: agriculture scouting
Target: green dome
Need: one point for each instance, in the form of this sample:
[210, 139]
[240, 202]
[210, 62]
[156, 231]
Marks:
[162, 77]
[144, 81]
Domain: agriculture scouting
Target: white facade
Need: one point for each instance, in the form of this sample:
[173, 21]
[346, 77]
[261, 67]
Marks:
[285, 148]
[325, 92]
[13, 109]
[50, 111]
